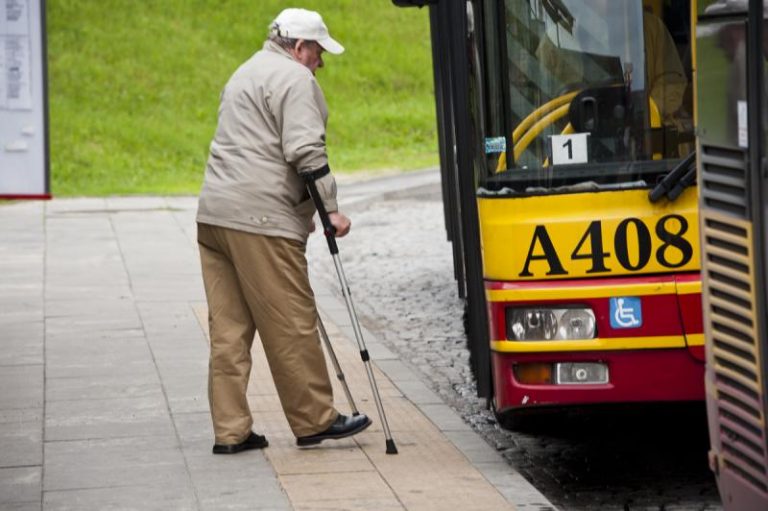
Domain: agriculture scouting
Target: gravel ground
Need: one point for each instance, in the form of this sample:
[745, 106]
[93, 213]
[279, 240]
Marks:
[399, 267]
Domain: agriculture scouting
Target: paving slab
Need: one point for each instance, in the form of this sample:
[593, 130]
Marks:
[21, 437]
[75, 349]
[115, 417]
[106, 387]
[115, 462]
[246, 481]
[152, 497]
[23, 506]
[22, 386]
[19, 485]
[21, 344]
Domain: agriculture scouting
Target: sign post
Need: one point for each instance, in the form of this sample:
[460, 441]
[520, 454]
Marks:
[24, 159]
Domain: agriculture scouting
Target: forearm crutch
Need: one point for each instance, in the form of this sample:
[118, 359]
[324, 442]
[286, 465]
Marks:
[330, 236]
[336, 366]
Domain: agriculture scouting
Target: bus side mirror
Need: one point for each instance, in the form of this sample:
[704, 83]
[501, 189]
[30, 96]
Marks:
[414, 3]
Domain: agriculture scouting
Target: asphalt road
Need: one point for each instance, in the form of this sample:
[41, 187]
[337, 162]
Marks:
[398, 264]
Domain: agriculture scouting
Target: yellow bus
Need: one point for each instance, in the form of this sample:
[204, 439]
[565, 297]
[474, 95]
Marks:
[567, 146]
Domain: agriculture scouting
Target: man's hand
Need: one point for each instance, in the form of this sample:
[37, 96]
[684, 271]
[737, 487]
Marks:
[340, 222]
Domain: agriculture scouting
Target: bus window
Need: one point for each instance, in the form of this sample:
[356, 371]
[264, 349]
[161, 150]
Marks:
[610, 78]
[722, 76]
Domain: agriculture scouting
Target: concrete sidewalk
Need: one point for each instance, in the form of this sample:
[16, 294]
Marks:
[103, 399]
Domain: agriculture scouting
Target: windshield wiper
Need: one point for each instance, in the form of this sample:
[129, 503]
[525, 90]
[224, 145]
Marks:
[678, 179]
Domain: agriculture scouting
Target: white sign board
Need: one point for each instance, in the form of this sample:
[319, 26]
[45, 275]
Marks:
[567, 149]
[742, 119]
[24, 171]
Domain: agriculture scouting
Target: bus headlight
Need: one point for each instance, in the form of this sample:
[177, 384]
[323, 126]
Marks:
[576, 324]
[538, 324]
[531, 324]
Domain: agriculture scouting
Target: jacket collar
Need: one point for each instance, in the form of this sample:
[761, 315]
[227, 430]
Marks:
[276, 48]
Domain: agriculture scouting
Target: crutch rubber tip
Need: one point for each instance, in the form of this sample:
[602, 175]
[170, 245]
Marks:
[391, 449]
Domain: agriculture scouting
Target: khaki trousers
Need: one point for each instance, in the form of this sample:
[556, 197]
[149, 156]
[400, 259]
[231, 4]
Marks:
[260, 283]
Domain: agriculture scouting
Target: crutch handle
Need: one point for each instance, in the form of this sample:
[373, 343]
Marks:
[328, 229]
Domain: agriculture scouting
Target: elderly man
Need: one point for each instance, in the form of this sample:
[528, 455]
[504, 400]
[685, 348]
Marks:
[254, 217]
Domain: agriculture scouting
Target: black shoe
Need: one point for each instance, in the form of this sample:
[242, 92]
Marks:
[253, 441]
[342, 427]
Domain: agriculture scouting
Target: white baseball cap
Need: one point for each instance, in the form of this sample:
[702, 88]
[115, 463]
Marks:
[304, 24]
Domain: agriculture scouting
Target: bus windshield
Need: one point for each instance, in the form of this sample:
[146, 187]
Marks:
[582, 94]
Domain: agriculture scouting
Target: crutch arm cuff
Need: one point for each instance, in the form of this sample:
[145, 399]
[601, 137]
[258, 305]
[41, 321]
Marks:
[321, 181]
[314, 175]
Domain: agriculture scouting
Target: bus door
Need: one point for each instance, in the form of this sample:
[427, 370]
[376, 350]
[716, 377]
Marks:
[733, 177]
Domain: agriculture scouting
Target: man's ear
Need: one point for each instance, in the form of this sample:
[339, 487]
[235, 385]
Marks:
[300, 43]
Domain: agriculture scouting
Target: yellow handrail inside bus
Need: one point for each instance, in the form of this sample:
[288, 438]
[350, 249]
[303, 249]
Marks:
[529, 121]
[655, 115]
[539, 112]
[537, 128]
[530, 135]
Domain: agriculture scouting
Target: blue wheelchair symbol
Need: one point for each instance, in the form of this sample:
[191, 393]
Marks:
[626, 312]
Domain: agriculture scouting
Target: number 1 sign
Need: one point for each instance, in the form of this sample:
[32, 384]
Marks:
[568, 149]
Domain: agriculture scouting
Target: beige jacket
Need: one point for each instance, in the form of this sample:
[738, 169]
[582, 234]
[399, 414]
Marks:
[271, 129]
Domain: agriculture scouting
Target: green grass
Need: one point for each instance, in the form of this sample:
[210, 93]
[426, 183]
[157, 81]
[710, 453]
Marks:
[134, 88]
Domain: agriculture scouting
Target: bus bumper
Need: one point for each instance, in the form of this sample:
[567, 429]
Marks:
[653, 375]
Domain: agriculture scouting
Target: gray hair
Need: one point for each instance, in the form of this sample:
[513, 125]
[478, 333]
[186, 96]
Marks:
[287, 43]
